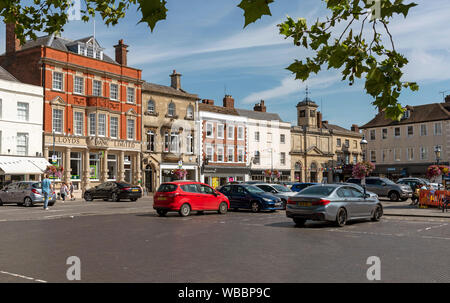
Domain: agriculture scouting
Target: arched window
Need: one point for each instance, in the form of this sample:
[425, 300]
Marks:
[190, 112]
[298, 166]
[314, 166]
[171, 110]
[151, 106]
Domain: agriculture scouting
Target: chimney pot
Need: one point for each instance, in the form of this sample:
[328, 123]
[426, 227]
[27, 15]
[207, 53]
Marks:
[208, 101]
[260, 107]
[228, 101]
[12, 43]
[121, 53]
[319, 120]
[355, 128]
[175, 80]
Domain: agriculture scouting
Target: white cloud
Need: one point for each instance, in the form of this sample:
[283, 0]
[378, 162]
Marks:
[289, 86]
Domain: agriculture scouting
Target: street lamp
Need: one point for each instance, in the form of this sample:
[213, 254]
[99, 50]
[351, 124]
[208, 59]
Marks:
[363, 148]
[437, 151]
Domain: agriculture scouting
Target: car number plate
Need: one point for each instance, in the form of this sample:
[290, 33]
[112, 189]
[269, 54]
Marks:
[135, 190]
[306, 204]
[162, 198]
[277, 204]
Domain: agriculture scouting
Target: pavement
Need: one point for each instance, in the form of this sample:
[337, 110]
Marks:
[405, 209]
[238, 247]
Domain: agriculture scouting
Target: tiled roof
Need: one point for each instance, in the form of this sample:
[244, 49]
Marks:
[418, 114]
[4, 75]
[218, 109]
[259, 115]
[339, 128]
[59, 43]
[151, 87]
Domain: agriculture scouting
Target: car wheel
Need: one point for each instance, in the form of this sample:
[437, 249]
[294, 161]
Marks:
[185, 210]
[255, 207]
[377, 214]
[115, 197]
[162, 212]
[27, 202]
[299, 222]
[341, 217]
[223, 208]
[88, 197]
[394, 196]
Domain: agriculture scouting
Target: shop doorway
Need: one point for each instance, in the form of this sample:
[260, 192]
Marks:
[149, 178]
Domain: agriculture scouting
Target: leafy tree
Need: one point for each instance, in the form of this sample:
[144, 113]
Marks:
[351, 52]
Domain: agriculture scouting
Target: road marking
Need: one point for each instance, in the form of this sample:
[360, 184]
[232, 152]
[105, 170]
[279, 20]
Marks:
[432, 227]
[22, 276]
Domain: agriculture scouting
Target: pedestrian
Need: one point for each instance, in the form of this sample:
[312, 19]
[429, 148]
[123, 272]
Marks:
[64, 191]
[46, 190]
[71, 188]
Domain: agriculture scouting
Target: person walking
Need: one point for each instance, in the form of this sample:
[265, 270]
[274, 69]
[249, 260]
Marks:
[71, 188]
[46, 190]
[64, 191]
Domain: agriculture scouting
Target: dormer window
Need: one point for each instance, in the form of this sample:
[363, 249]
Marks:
[90, 51]
[406, 114]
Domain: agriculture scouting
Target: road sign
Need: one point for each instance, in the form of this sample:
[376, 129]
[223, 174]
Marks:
[180, 164]
[54, 159]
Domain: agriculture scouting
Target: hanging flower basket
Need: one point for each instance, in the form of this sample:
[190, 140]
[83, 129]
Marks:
[362, 169]
[180, 173]
[435, 171]
[268, 173]
[276, 174]
[54, 171]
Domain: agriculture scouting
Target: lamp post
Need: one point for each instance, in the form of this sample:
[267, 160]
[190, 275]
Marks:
[363, 147]
[437, 151]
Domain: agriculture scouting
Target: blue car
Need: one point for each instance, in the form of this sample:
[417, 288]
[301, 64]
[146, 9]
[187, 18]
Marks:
[244, 196]
[301, 186]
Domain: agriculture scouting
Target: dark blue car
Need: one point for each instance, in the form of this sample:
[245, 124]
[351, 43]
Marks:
[301, 186]
[251, 197]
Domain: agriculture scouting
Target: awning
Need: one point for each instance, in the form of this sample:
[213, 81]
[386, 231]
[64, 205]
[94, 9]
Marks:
[22, 165]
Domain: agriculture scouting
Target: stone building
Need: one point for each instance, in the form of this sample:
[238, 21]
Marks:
[92, 106]
[169, 124]
[321, 152]
[407, 147]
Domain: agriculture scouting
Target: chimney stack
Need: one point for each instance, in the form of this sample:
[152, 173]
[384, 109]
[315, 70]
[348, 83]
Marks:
[355, 128]
[447, 99]
[208, 101]
[260, 107]
[12, 43]
[121, 53]
[228, 101]
[319, 120]
[176, 80]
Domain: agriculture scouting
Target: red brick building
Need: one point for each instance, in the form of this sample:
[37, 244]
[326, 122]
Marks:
[224, 143]
[92, 105]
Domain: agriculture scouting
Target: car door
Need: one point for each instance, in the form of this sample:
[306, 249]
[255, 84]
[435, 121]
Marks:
[103, 190]
[346, 198]
[209, 197]
[363, 207]
[6, 193]
[21, 192]
[238, 196]
[375, 186]
[12, 192]
[192, 194]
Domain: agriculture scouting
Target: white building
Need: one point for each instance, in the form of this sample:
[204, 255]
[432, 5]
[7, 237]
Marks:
[269, 144]
[21, 115]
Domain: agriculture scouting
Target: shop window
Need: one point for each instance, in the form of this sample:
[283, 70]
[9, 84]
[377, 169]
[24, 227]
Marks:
[94, 166]
[112, 167]
[75, 166]
[127, 168]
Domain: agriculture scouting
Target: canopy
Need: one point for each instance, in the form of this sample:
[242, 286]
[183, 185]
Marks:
[22, 165]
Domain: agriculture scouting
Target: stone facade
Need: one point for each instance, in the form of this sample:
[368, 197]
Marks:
[169, 124]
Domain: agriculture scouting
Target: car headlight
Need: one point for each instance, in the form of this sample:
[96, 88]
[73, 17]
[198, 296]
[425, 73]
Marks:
[268, 200]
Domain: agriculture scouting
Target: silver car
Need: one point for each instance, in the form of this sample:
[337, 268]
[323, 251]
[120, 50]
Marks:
[278, 190]
[24, 193]
[333, 202]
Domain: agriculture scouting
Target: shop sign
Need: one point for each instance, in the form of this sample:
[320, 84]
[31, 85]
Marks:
[67, 140]
[126, 144]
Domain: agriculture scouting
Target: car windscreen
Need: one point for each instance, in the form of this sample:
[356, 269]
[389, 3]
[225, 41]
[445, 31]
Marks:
[123, 185]
[254, 189]
[318, 190]
[37, 185]
[281, 188]
[387, 181]
[167, 188]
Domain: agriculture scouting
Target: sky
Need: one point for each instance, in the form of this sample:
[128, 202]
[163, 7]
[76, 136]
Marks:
[205, 41]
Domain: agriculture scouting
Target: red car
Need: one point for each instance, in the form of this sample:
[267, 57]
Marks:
[185, 197]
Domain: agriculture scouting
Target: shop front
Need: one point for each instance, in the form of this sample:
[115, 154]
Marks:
[220, 176]
[14, 169]
[90, 161]
[262, 175]
[167, 172]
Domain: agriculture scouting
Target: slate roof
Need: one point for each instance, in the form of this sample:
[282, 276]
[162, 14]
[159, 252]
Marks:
[339, 128]
[60, 43]
[259, 115]
[218, 109]
[168, 90]
[4, 75]
[418, 114]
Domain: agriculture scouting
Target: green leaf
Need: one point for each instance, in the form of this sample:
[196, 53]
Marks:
[255, 9]
[152, 12]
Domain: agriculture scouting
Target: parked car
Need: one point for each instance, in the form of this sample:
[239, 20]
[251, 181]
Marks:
[297, 187]
[185, 197]
[287, 184]
[24, 193]
[384, 187]
[414, 184]
[114, 191]
[278, 190]
[359, 187]
[252, 182]
[251, 197]
[333, 202]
